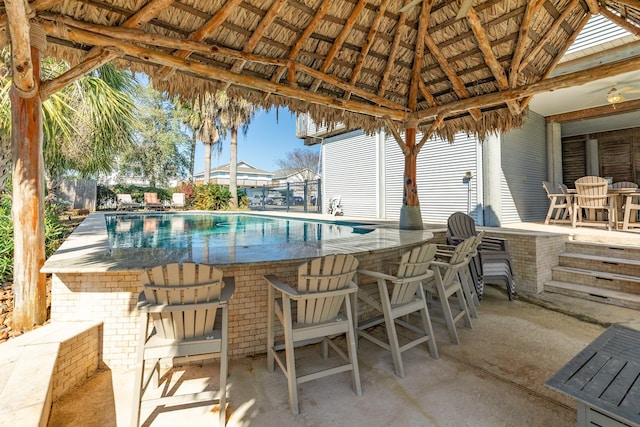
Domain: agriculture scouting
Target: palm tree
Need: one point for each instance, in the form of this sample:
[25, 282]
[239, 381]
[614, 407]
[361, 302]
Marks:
[234, 113]
[208, 132]
[201, 117]
[85, 125]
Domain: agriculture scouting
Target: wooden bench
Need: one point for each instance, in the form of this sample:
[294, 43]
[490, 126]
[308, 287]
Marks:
[605, 379]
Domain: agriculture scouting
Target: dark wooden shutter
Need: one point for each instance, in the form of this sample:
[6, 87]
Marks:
[574, 159]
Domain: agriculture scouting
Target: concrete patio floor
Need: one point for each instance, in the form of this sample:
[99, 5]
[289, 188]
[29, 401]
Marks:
[495, 377]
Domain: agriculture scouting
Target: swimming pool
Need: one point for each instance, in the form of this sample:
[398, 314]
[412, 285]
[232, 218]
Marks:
[97, 277]
[182, 230]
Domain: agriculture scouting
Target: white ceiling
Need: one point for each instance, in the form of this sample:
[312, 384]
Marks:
[606, 42]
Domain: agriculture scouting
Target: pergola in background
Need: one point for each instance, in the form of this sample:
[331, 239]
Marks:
[435, 66]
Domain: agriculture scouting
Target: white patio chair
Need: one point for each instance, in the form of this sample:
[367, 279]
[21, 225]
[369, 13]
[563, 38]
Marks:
[592, 206]
[177, 201]
[188, 305]
[125, 202]
[559, 205]
[392, 297]
[335, 208]
[319, 310]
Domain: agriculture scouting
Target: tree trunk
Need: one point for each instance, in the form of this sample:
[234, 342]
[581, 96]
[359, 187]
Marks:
[28, 207]
[207, 163]
[410, 215]
[192, 156]
[233, 169]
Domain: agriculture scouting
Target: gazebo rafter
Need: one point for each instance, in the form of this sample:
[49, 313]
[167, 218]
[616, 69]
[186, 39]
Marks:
[356, 63]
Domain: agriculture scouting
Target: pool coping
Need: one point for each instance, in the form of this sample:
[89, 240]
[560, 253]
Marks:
[87, 248]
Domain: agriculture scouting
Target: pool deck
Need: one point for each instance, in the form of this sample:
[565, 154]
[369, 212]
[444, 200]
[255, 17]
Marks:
[494, 377]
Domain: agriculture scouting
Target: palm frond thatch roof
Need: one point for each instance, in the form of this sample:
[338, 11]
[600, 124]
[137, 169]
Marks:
[348, 61]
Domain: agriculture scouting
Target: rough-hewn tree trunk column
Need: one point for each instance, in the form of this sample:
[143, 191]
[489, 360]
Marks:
[28, 201]
[410, 216]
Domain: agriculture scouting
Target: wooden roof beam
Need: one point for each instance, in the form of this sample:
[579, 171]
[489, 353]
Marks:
[95, 59]
[426, 94]
[458, 85]
[24, 79]
[437, 122]
[619, 21]
[490, 58]
[594, 7]
[257, 34]
[156, 40]
[34, 6]
[308, 31]
[396, 135]
[397, 37]
[371, 36]
[523, 35]
[595, 112]
[525, 102]
[202, 33]
[418, 57]
[337, 44]
[577, 78]
[211, 72]
[552, 32]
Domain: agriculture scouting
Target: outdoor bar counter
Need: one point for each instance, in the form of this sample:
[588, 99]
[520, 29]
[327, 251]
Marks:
[90, 281]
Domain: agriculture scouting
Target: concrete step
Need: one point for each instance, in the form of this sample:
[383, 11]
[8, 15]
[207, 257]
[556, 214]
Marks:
[597, 279]
[607, 264]
[603, 249]
[591, 293]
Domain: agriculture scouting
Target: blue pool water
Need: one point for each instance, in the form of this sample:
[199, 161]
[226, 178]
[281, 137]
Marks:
[210, 231]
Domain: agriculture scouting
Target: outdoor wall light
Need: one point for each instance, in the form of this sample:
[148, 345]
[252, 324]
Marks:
[468, 175]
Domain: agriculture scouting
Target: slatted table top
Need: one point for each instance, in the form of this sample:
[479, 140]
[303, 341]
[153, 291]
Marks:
[606, 374]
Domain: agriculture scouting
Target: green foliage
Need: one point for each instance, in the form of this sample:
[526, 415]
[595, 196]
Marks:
[160, 149]
[105, 194]
[6, 239]
[54, 234]
[137, 193]
[211, 197]
[243, 200]
[189, 190]
[54, 231]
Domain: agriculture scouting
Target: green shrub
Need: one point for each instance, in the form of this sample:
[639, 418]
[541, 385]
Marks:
[54, 234]
[137, 193]
[211, 197]
[6, 239]
[189, 190]
[105, 195]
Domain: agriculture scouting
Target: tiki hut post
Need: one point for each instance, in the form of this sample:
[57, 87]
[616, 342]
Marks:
[410, 215]
[28, 174]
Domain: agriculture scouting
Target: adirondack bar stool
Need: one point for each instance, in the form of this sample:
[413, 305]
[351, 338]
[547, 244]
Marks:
[492, 265]
[393, 297]
[446, 287]
[188, 305]
[318, 310]
[464, 274]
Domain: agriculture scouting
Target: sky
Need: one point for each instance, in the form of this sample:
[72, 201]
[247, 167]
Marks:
[270, 137]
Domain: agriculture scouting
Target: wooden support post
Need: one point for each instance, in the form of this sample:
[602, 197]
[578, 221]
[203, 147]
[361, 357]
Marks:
[28, 204]
[410, 216]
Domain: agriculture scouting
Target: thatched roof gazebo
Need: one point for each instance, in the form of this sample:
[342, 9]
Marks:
[437, 66]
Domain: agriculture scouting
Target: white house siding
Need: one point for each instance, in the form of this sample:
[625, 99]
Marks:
[524, 167]
[440, 171]
[349, 170]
